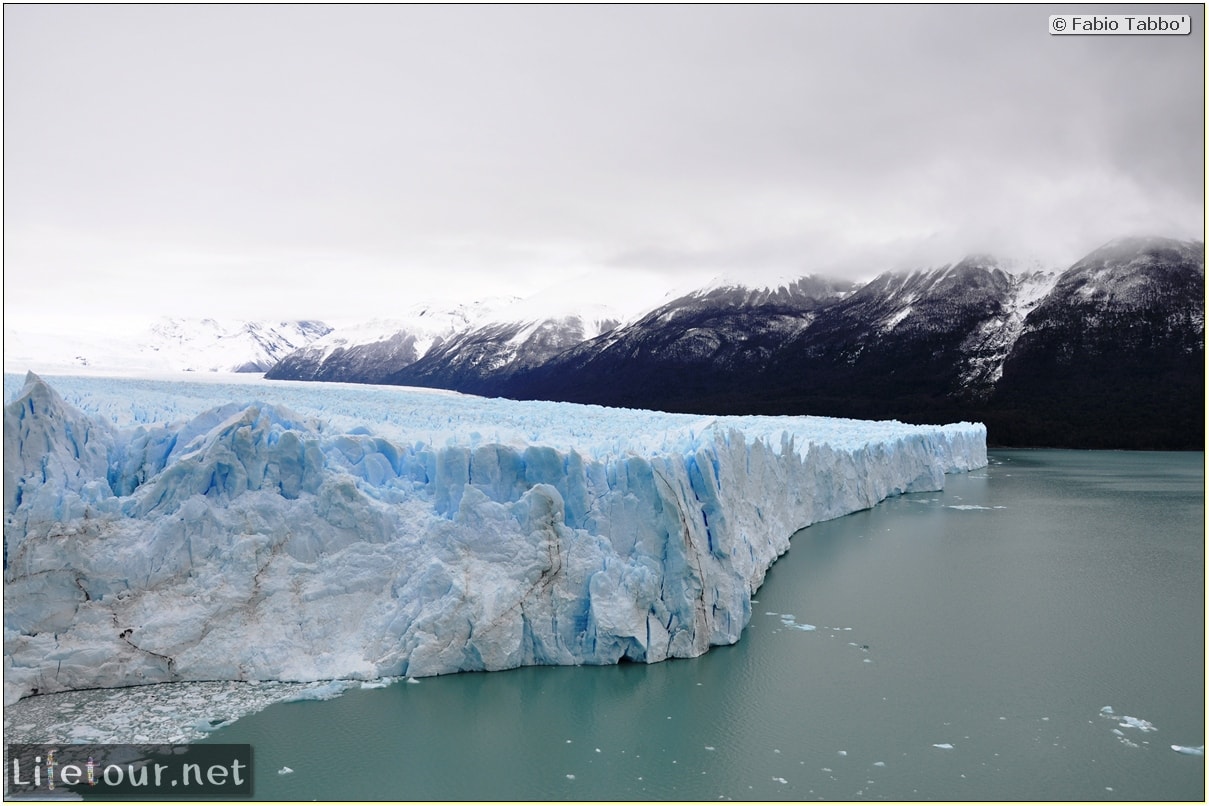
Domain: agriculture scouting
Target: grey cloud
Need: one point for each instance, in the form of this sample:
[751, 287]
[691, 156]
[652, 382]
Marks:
[517, 141]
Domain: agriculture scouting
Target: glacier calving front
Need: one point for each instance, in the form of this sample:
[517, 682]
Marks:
[442, 533]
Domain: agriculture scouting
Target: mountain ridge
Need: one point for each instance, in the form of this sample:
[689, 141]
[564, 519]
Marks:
[977, 338]
[1007, 341]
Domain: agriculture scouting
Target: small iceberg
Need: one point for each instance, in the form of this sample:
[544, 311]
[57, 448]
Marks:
[284, 771]
[1189, 751]
[944, 746]
[1140, 724]
[380, 683]
[1127, 721]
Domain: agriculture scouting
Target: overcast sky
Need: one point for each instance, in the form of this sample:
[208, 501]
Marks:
[342, 162]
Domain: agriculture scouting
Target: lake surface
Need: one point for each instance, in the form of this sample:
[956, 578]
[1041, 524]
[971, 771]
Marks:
[964, 646]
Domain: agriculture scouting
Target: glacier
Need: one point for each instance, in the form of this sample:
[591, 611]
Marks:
[160, 531]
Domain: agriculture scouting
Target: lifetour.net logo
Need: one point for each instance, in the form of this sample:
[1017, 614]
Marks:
[40, 771]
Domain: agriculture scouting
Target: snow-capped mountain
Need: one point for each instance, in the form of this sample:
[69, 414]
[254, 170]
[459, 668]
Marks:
[972, 339]
[167, 345]
[370, 351]
[692, 347]
[479, 358]
[1030, 351]
[447, 346]
[673, 336]
[1119, 342]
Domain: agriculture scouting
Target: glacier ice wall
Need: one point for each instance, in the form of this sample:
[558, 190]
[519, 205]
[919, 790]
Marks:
[191, 538]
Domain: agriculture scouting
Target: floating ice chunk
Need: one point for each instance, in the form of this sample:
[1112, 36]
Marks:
[324, 691]
[842, 752]
[710, 747]
[966, 506]
[284, 771]
[944, 746]
[1107, 710]
[412, 680]
[879, 764]
[383, 683]
[570, 776]
[1140, 724]
[805, 627]
[779, 780]
[1189, 751]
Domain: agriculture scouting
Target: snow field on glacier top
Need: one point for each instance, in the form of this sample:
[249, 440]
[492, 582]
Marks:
[442, 418]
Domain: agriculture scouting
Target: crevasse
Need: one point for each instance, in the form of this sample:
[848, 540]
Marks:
[212, 540]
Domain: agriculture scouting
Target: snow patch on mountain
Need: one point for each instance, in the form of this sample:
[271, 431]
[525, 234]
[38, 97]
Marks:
[988, 347]
[893, 320]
